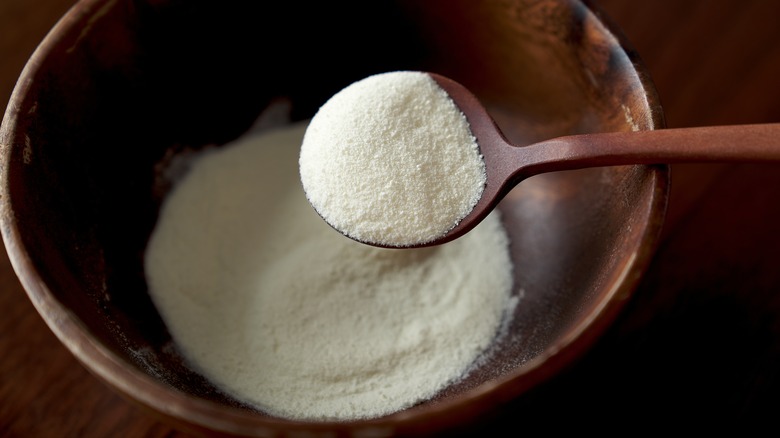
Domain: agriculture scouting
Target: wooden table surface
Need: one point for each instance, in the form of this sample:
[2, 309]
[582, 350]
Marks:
[700, 341]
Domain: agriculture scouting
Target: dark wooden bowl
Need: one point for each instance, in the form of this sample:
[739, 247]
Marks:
[119, 87]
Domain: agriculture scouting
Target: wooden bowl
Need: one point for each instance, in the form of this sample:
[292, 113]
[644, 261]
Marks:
[118, 88]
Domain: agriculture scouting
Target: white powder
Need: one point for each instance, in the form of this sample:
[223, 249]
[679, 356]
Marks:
[277, 309]
[391, 160]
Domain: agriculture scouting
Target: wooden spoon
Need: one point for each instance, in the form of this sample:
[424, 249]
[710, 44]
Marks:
[507, 164]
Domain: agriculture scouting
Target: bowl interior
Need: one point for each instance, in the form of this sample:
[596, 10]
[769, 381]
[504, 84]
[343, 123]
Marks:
[119, 88]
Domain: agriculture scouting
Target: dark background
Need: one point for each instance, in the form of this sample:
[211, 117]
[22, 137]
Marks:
[699, 344]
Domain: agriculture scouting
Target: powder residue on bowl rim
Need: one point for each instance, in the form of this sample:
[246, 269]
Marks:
[276, 308]
[391, 160]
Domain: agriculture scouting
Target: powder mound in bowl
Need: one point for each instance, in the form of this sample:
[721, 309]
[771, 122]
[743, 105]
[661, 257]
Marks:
[264, 299]
[391, 160]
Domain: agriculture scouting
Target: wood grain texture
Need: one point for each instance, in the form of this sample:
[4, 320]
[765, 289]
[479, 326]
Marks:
[700, 341]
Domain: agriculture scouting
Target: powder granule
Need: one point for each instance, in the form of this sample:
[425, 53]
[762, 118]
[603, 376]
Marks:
[391, 160]
[265, 300]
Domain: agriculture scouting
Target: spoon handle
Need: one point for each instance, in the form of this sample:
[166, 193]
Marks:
[508, 164]
[729, 143]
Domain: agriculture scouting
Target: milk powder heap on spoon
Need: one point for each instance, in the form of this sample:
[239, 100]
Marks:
[390, 160]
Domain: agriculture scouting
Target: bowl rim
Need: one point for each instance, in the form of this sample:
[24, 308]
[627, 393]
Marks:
[192, 413]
